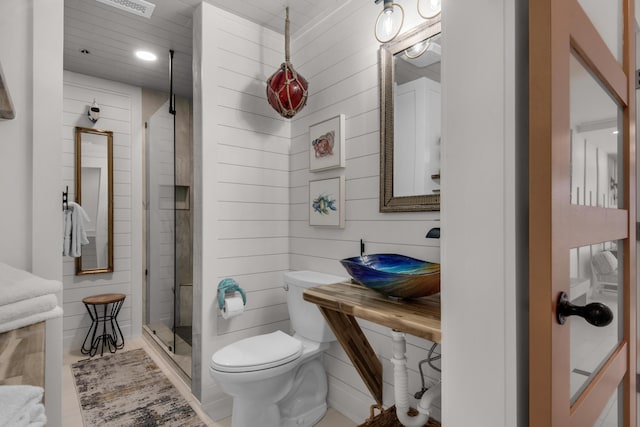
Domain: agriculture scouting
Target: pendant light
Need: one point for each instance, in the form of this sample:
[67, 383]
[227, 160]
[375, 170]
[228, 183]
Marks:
[429, 9]
[287, 91]
[389, 22]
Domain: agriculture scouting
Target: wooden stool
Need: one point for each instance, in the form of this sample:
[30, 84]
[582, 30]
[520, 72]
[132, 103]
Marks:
[112, 340]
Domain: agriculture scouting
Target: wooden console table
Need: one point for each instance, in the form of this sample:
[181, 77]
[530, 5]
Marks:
[341, 303]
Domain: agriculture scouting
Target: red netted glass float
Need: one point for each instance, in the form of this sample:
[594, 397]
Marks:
[287, 90]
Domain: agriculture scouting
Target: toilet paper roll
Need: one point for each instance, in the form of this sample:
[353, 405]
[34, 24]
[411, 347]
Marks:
[233, 306]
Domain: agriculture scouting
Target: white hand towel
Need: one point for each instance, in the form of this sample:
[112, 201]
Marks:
[27, 307]
[66, 233]
[37, 416]
[30, 320]
[16, 402]
[74, 219]
[78, 234]
[17, 285]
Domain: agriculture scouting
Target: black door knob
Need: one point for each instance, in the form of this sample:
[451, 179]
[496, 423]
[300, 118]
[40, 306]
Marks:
[595, 313]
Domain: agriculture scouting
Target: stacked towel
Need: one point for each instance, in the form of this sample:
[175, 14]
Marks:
[20, 406]
[73, 224]
[25, 298]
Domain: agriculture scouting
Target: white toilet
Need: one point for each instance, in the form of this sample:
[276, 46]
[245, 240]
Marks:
[278, 380]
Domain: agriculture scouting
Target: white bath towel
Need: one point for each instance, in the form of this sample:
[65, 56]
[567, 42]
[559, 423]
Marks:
[30, 320]
[27, 307]
[18, 403]
[18, 285]
[75, 235]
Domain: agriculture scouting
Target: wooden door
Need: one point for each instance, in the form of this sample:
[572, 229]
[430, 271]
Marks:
[582, 211]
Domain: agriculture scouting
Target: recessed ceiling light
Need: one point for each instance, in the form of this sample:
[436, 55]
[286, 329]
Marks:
[146, 56]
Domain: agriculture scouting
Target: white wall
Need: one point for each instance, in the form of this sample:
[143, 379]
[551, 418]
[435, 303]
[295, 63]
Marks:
[339, 57]
[241, 188]
[31, 40]
[16, 179]
[120, 107]
[479, 214]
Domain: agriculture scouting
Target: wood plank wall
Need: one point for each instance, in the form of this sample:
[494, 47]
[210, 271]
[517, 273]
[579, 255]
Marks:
[252, 177]
[339, 57]
[120, 113]
[244, 185]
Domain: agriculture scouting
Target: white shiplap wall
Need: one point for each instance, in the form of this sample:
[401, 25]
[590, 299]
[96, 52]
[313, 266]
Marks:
[120, 107]
[339, 57]
[241, 183]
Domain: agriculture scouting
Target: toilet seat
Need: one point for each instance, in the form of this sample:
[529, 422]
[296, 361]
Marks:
[257, 353]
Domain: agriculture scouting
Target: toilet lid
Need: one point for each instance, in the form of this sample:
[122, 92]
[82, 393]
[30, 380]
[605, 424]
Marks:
[257, 353]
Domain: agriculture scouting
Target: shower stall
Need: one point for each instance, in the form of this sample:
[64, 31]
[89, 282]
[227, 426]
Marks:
[169, 260]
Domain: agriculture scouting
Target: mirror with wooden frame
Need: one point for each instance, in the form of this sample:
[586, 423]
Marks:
[94, 192]
[410, 120]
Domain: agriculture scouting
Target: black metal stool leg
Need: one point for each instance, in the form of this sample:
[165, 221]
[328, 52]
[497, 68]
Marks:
[115, 326]
[92, 331]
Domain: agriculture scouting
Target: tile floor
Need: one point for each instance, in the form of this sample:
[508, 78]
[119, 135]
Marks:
[163, 335]
[71, 416]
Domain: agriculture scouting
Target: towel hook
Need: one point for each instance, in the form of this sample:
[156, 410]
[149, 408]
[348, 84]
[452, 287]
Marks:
[65, 199]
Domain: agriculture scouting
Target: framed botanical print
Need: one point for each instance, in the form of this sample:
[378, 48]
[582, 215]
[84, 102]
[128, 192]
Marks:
[326, 202]
[326, 144]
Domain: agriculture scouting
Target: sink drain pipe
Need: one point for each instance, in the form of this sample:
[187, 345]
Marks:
[401, 387]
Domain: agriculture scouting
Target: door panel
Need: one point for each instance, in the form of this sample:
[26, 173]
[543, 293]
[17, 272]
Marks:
[606, 17]
[580, 82]
[594, 278]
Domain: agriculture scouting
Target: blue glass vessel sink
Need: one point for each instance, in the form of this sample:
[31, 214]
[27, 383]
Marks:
[395, 275]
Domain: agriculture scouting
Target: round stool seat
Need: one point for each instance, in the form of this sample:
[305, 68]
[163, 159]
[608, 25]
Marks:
[103, 298]
[111, 334]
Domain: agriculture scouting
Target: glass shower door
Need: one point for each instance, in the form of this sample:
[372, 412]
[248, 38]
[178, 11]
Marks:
[160, 209]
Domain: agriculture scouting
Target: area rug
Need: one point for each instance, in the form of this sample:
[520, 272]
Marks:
[128, 389]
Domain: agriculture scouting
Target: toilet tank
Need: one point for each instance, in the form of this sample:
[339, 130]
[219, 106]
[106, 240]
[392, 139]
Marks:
[306, 318]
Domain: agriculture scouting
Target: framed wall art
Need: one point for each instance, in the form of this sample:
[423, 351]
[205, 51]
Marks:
[326, 144]
[6, 106]
[326, 202]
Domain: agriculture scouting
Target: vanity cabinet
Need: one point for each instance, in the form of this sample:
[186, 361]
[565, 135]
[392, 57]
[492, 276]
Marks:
[341, 303]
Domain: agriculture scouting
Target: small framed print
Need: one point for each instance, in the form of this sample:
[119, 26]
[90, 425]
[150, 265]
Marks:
[326, 144]
[326, 202]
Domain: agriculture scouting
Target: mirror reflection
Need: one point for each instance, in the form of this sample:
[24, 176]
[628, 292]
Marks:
[594, 277]
[416, 130]
[595, 140]
[94, 192]
[411, 121]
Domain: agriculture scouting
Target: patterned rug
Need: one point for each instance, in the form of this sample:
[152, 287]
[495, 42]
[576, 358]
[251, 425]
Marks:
[128, 389]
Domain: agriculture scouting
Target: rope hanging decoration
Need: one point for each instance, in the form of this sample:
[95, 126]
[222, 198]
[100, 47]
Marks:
[287, 90]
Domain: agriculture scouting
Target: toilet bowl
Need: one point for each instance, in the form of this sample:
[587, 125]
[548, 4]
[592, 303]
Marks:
[276, 379]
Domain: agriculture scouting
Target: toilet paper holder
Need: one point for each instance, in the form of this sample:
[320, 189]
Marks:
[227, 286]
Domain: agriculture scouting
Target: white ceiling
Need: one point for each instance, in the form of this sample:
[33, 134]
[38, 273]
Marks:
[112, 35]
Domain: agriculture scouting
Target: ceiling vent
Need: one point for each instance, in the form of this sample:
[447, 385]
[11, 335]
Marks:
[137, 7]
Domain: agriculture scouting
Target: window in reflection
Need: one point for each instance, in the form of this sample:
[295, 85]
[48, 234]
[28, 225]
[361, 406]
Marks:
[595, 140]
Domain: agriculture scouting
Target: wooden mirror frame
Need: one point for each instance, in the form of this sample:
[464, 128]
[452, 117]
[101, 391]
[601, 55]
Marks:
[389, 202]
[109, 134]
